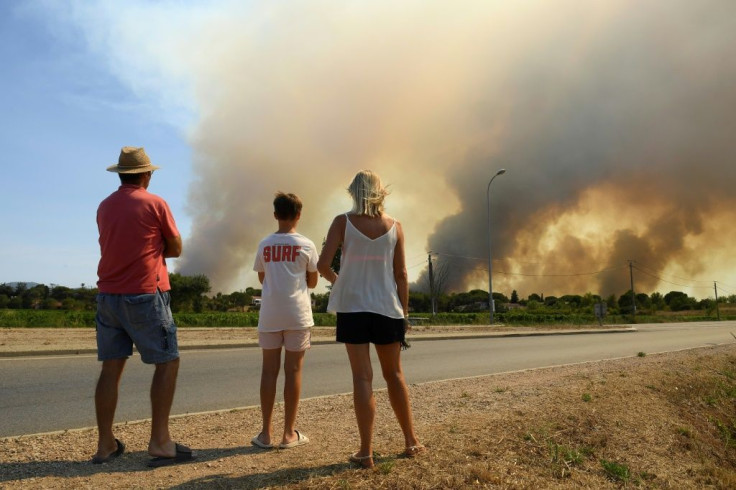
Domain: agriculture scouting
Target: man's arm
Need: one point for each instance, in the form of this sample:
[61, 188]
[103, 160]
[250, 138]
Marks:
[172, 246]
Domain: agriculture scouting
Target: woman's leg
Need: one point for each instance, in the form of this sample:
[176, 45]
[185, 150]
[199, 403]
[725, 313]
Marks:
[269, 376]
[292, 388]
[363, 400]
[398, 392]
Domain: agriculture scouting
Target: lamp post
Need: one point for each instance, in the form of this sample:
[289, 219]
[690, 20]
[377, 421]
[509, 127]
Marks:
[490, 266]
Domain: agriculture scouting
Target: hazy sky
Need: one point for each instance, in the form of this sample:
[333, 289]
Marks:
[613, 119]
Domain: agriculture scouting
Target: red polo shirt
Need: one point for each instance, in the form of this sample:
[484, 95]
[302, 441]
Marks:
[132, 224]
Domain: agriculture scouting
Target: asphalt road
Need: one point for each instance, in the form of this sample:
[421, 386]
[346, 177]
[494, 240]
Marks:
[42, 394]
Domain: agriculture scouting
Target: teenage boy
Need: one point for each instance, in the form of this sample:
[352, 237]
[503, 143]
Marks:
[287, 268]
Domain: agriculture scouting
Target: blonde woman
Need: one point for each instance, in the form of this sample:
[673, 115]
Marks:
[370, 297]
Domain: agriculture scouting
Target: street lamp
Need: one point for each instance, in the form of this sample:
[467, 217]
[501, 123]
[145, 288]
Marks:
[490, 266]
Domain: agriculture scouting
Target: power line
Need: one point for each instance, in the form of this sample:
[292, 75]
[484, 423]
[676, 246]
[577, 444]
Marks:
[415, 265]
[653, 273]
[563, 275]
[688, 283]
[670, 282]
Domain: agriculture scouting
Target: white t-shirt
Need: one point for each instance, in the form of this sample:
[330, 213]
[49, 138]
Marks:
[366, 281]
[285, 259]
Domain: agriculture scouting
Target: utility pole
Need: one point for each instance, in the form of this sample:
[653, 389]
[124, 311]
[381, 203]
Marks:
[490, 258]
[633, 295]
[718, 311]
[431, 285]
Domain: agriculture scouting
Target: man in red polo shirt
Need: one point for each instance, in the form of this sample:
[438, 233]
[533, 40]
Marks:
[137, 233]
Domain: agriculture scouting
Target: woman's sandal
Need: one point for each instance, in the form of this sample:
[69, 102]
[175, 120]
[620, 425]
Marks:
[414, 451]
[365, 462]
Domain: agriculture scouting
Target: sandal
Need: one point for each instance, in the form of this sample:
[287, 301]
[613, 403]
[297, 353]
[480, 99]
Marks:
[414, 451]
[365, 462]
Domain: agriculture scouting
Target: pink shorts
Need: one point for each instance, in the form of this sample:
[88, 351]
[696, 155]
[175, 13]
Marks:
[291, 340]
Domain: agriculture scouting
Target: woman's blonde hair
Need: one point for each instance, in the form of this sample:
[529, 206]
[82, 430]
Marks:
[367, 193]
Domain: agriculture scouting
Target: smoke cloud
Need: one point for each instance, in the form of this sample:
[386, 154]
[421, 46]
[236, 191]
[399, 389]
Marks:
[613, 119]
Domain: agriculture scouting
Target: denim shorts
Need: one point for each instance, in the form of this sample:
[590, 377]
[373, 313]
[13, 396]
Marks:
[141, 319]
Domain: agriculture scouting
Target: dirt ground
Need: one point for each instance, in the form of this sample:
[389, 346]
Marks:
[651, 421]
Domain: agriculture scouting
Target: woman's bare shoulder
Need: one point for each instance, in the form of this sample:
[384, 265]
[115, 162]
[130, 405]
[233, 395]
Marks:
[390, 220]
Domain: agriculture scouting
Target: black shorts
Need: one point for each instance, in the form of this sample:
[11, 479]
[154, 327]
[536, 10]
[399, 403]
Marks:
[363, 327]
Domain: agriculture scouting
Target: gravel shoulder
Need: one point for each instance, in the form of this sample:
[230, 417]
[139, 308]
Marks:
[657, 421]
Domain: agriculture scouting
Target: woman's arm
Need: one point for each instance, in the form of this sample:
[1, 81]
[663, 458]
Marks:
[400, 275]
[332, 243]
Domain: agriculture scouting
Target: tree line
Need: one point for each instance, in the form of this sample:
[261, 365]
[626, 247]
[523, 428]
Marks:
[190, 294]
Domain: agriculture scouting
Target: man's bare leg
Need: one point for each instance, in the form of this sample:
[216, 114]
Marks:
[106, 401]
[162, 397]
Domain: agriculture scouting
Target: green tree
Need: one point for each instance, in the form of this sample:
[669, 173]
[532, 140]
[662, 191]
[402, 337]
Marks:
[187, 292]
[60, 292]
[533, 305]
[679, 301]
[320, 302]
[240, 299]
[475, 300]
[657, 301]
[572, 300]
[534, 297]
[420, 301]
[32, 297]
[643, 301]
[514, 296]
[51, 304]
[626, 302]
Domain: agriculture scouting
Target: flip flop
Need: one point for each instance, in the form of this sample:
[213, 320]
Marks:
[300, 440]
[120, 450]
[257, 442]
[414, 451]
[183, 454]
[365, 462]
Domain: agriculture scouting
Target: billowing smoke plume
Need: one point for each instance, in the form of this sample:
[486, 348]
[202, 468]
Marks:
[614, 121]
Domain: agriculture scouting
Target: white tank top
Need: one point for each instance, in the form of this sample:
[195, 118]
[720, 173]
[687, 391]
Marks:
[366, 280]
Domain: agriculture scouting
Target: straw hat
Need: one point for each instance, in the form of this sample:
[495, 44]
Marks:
[132, 160]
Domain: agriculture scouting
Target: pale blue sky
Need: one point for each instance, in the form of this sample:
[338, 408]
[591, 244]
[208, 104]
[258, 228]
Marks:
[613, 119]
[65, 117]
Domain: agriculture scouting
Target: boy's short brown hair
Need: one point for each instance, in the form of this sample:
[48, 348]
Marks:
[287, 206]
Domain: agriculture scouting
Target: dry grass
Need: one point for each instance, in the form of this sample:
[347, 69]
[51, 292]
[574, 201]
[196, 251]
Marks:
[657, 421]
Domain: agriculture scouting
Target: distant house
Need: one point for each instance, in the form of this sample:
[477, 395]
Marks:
[255, 301]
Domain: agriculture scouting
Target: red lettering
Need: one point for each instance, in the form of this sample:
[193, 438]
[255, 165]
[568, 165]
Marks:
[281, 253]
